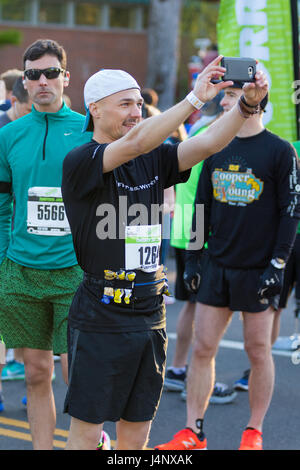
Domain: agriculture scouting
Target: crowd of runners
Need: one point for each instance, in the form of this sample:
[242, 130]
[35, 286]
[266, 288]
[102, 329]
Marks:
[83, 240]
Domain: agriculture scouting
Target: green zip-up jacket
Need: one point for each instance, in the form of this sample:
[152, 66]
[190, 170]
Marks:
[32, 150]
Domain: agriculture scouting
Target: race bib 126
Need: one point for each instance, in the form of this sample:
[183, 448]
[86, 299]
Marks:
[46, 212]
[142, 245]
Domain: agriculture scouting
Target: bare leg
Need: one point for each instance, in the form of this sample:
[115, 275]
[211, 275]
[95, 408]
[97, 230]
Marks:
[18, 355]
[276, 325]
[40, 400]
[1, 369]
[210, 325]
[83, 436]
[184, 331]
[132, 436]
[257, 337]
[64, 367]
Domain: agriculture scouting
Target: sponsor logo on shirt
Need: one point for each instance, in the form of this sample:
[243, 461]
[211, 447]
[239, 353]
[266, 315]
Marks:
[140, 187]
[236, 187]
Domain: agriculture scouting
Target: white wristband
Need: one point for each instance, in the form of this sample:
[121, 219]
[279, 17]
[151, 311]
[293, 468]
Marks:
[192, 98]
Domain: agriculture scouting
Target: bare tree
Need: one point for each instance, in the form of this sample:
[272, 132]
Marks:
[163, 47]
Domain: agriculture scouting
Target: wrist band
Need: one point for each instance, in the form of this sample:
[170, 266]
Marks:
[246, 112]
[192, 98]
[243, 113]
[243, 99]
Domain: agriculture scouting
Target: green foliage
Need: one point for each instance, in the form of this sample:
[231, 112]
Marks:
[10, 37]
[198, 20]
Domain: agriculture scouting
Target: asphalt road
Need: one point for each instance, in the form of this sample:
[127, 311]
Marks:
[223, 423]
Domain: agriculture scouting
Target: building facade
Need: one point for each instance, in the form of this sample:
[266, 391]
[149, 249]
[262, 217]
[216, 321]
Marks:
[96, 34]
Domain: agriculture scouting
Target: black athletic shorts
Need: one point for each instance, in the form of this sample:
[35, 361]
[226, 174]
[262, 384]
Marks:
[181, 293]
[115, 376]
[232, 288]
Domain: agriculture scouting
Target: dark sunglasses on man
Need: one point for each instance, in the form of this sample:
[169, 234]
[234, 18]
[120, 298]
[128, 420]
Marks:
[49, 73]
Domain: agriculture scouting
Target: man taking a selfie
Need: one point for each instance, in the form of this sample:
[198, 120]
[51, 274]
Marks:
[117, 338]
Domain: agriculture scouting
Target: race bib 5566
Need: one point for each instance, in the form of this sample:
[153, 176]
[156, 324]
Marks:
[46, 212]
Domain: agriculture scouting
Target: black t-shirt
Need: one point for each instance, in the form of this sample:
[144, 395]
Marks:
[250, 191]
[100, 206]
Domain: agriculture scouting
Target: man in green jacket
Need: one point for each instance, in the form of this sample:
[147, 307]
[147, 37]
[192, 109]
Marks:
[39, 272]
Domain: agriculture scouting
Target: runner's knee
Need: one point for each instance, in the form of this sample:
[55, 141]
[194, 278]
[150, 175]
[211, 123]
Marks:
[129, 439]
[204, 348]
[257, 351]
[37, 372]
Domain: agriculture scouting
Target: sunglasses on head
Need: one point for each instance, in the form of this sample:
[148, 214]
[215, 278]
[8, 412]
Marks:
[50, 72]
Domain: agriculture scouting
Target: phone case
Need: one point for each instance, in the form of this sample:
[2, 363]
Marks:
[239, 69]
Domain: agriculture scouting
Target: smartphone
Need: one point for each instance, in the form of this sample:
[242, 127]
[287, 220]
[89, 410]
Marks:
[239, 69]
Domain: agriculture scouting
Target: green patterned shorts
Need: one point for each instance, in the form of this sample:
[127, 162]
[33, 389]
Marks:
[34, 305]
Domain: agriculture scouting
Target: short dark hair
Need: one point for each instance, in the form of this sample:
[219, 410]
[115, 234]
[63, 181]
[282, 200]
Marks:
[42, 47]
[9, 77]
[150, 96]
[19, 91]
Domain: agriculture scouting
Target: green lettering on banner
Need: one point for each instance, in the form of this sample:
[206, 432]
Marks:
[262, 29]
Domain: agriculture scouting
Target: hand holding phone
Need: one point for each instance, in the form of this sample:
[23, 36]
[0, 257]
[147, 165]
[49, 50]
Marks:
[239, 69]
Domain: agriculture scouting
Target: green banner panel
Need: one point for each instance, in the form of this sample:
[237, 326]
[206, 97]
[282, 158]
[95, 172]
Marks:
[262, 29]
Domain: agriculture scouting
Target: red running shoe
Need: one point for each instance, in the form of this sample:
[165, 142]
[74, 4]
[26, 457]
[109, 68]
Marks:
[185, 439]
[251, 440]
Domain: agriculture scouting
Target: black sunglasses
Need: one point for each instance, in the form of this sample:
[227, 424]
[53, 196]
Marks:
[50, 72]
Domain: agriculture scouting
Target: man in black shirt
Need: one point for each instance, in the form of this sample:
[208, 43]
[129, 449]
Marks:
[250, 191]
[113, 189]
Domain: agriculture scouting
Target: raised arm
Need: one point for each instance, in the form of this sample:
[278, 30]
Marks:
[151, 132]
[222, 131]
